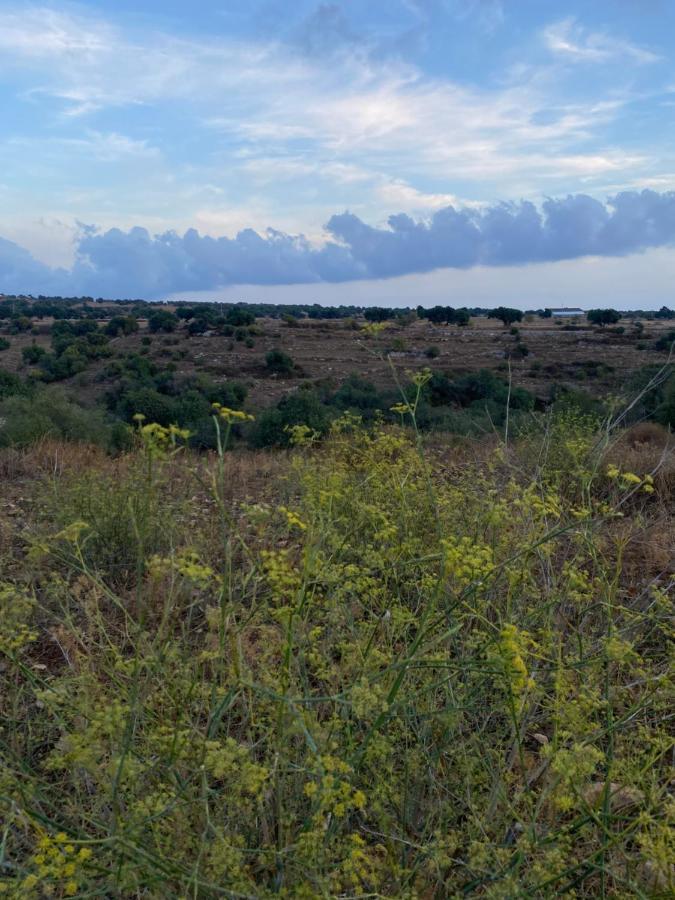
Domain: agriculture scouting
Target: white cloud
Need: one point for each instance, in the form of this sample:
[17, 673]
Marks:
[113, 147]
[570, 40]
[397, 194]
[357, 112]
[352, 130]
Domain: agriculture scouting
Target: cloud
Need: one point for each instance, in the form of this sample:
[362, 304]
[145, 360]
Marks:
[568, 39]
[134, 263]
[20, 271]
[510, 233]
[337, 102]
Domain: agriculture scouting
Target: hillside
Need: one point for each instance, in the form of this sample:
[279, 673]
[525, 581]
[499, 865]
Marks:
[171, 363]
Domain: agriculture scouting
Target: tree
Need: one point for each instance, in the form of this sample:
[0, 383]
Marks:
[162, 320]
[239, 317]
[379, 314]
[198, 326]
[507, 316]
[121, 325]
[603, 317]
[444, 315]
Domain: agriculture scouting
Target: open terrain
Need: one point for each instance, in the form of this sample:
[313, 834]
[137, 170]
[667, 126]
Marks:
[328, 351]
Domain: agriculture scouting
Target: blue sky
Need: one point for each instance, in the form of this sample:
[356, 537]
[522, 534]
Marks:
[406, 151]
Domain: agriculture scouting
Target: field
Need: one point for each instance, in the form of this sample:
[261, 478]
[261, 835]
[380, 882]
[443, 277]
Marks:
[378, 657]
[331, 350]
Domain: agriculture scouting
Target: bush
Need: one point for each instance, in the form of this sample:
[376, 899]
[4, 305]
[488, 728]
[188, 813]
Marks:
[50, 413]
[121, 325]
[239, 318]
[666, 342]
[162, 320]
[302, 407]
[664, 412]
[359, 395]
[33, 354]
[520, 351]
[476, 387]
[279, 363]
[4, 344]
[432, 352]
[198, 326]
[603, 317]
[10, 384]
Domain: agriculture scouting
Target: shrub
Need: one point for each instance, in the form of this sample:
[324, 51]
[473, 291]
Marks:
[128, 518]
[239, 318]
[302, 407]
[432, 352]
[476, 387]
[50, 413]
[279, 363]
[603, 317]
[359, 395]
[398, 345]
[4, 344]
[198, 326]
[10, 384]
[121, 325]
[162, 320]
[33, 354]
[665, 342]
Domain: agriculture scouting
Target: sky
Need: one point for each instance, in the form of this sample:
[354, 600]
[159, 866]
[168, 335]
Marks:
[468, 152]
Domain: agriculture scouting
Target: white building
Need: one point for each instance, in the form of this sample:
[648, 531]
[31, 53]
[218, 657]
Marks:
[566, 312]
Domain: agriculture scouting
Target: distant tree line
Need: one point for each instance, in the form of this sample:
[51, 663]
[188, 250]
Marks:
[18, 311]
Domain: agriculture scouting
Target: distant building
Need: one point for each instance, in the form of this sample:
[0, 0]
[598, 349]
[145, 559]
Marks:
[566, 312]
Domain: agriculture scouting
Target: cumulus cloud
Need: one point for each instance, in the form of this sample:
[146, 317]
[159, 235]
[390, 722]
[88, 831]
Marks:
[135, 263]
[20, 271]
[510, 233]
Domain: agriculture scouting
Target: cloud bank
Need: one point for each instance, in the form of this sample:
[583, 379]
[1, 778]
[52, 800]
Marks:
[135, 263]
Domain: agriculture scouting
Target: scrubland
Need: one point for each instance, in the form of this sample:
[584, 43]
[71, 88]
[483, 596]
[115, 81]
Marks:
[379, 665]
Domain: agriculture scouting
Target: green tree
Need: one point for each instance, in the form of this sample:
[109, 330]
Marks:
[162, 320]
[603, 317]
[506, 315]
